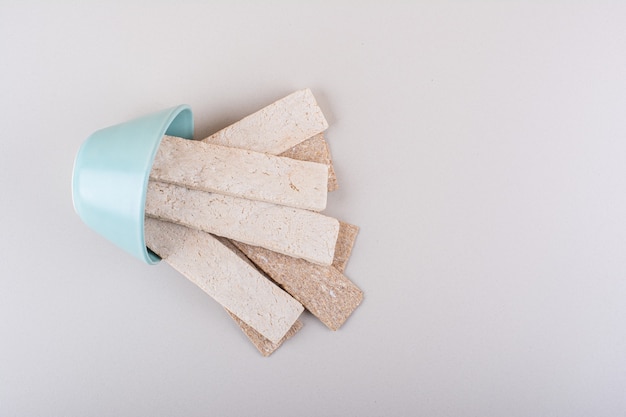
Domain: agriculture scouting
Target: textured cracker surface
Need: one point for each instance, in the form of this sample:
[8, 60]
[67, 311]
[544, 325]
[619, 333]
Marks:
[224, 276]
[322, 290]
[295, 232]
[345, 243]
[315, 149]
[263, 345]
[277, 127]
[241, 173]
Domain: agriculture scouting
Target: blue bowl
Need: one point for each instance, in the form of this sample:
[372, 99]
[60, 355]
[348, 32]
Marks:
[111, 173]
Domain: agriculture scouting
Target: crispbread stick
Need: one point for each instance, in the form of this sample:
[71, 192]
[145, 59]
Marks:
[241, 173]
[277, 127]
[225, 277]
[295, 232]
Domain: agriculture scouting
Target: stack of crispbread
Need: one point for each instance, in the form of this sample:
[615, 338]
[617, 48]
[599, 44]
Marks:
[243, 205]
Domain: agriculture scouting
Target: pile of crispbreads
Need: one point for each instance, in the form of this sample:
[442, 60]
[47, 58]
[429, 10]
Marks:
[238, 213]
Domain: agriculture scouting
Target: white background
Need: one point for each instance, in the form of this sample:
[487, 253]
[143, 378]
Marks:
[481, 147]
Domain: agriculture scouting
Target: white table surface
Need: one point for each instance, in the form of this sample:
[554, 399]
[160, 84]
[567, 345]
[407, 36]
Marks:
[481, 147]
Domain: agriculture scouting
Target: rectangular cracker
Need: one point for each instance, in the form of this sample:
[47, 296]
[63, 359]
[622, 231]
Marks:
[315, 149]
[294, 232]
[241, 173]
[265, 346]
[322, 290]
[224, 276]
[277, 127]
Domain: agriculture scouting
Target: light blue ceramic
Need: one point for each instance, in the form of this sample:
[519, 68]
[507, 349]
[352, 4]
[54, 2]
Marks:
[111, 172]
